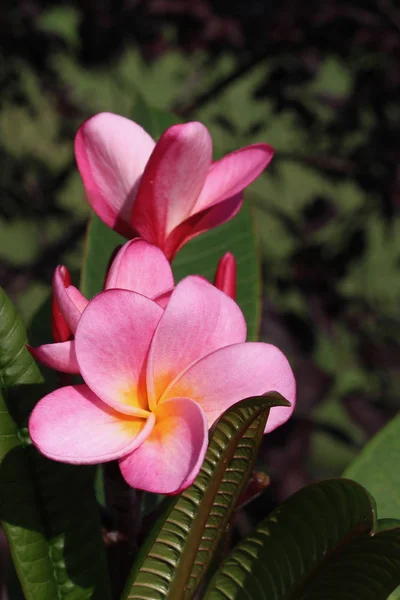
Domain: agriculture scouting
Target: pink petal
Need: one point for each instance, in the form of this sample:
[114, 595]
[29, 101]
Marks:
[73, 425]
[200, 222]
[171, 457]
[225, 276]
[172, 181]
[112, 152]
[59, 328]
[69, 299]
[234, 172]
[234, 373]
[60, 356]
[197, 320]
[112, 343]
[163, 298]
[140, 267]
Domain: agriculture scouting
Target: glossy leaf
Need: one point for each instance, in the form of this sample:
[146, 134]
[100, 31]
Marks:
[200, 256]
[320, 543]
[48, 510]
[180, 549]
[377, 468]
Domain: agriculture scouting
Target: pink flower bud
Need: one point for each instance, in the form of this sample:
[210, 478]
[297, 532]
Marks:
[59, 328]
[225, 275]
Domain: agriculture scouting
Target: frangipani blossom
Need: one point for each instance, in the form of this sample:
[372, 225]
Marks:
[155, 381]
[138, 266]
[168, 192]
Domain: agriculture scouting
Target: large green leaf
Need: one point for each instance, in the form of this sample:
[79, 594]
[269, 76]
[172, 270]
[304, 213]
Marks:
[179, 550]
[322, 542]
[377, 468]
[200, 256]
[48, 510]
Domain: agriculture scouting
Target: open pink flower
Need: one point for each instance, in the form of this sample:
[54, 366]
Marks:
[168, 192]
[138, 266]
[155, 381]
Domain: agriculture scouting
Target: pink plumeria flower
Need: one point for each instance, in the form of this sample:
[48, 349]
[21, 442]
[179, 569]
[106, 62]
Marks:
[138, 266]
[155, 381]
[168, 192]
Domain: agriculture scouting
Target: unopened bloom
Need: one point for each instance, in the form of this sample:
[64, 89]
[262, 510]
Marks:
[59, 327]
[225, 276]
[168, 192]
[155, 381]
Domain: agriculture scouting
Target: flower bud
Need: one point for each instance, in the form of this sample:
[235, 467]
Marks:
[225, 275]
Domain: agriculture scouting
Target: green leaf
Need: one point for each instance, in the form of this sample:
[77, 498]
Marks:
[322, 542]
[48, 510]
[368, 568]
[200, 256]
[377, 468]
[181, 547]
[101, 243]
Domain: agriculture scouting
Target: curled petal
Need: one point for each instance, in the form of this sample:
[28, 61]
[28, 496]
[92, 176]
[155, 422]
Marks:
[112, 342]
[171, 457]
[230, 374]
[59, 356]
[233, 173]
[198, 319]
[200, 222]
[111, 152]
[73, 425]
[225, 276]
[140, 267]
[172, 181]
[69, 300]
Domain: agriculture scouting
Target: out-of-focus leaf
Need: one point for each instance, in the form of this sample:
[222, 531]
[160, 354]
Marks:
[181, 547]
[377, 468]
[322, 542]
[48, 510]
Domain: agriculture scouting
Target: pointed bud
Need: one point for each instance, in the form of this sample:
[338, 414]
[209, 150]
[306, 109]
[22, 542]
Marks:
[225, 276]
[59, 327]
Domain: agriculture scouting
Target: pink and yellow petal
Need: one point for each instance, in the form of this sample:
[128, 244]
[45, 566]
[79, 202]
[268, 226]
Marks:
[73, 425]
[198, 319]
[234, 373]
[171, 457]
[112, 343]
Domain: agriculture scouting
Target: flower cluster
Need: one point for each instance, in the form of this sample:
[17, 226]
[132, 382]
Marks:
[159, 363]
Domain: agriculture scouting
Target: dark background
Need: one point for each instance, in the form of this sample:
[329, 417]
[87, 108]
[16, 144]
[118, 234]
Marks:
[317, 80]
